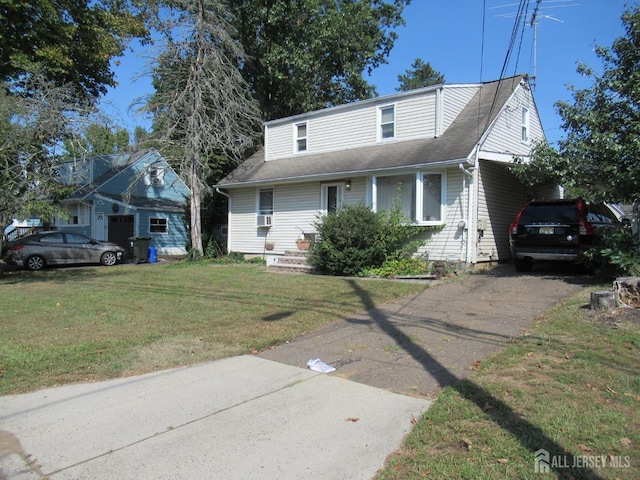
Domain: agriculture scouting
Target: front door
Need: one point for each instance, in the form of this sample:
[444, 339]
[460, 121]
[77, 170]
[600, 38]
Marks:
[331, 198]
[100, 226]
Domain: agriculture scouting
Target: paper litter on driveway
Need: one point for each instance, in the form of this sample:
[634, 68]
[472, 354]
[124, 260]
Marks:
[318, 365]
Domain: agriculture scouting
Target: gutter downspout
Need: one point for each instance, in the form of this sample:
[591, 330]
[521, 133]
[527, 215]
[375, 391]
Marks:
[225, 194]
[438, 112]
[469, 213]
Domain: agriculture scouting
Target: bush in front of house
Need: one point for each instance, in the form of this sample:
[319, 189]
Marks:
[353, 239]
[401, 267]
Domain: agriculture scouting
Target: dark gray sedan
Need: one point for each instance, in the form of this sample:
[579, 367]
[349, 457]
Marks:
[62, 248]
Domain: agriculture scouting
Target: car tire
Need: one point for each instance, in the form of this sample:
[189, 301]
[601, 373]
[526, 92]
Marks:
[523, 265]
[35, 263]
[108, 259]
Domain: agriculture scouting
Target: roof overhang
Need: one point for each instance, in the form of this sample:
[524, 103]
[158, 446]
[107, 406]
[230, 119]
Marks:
[345, 174]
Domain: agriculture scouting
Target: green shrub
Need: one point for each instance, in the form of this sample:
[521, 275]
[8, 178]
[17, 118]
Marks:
[403, 266]
[617, 255]
[353, 239]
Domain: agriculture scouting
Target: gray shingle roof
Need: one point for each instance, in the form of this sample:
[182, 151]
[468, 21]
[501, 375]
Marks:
[126, 161]
[455, 144]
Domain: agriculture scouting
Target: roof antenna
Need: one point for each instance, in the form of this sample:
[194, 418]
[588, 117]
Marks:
[539, 11]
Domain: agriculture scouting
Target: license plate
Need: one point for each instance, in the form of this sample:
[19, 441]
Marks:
[546, 231]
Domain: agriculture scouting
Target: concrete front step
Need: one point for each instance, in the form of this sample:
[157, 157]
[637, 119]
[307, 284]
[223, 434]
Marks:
[291, 261]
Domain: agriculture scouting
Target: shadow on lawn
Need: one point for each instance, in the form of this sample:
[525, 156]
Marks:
[530, 436]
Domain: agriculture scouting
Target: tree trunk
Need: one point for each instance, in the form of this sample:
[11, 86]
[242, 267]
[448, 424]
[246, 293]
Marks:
[196, 223]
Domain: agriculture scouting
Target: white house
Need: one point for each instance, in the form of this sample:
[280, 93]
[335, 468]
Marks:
[442, 150]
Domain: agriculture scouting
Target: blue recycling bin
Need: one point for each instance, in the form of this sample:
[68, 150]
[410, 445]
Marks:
[153, 254]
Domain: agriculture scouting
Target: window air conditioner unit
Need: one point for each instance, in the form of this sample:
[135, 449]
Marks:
[265, 220]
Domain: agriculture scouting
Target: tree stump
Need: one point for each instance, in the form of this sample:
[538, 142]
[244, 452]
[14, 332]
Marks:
[603, 300]
[627, 291]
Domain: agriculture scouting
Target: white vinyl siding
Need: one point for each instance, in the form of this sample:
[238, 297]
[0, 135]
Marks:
[505, 137]
[415, 117]
[279, 141]
[454, 99]
[295, 208]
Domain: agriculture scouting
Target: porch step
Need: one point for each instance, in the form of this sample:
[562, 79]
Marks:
[294, 261]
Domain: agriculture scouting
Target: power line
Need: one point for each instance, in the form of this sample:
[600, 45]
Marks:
[542, 10]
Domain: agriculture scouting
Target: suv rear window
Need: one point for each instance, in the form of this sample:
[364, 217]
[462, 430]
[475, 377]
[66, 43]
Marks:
[550, 213]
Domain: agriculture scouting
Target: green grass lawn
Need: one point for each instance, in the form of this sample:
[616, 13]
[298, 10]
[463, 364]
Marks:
[570, 387]
[85, 324]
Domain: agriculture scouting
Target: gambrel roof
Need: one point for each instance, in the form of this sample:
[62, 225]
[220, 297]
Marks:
[454, 145]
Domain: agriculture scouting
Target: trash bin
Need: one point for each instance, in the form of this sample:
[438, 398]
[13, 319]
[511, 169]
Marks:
[139, 249]
[153, 254]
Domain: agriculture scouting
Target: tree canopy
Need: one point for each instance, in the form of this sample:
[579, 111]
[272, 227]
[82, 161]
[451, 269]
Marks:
[599, 158]
[304, 55]
[68, 42]
[202, 106]
[420, 75]
[32, 128]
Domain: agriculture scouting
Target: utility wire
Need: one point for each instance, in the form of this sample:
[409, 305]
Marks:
[521, 15]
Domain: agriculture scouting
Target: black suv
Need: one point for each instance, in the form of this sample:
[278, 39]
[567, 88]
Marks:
[557, 230]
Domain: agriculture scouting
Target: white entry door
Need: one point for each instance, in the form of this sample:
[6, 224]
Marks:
[100, 227]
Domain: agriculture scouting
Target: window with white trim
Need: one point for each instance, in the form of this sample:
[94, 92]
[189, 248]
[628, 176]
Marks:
[420, 196]
[331, 197]
[387, 122]
[301, 137]
[158, 225]
[153, 175]
[525, 125]
[265, 201]
[78, 215]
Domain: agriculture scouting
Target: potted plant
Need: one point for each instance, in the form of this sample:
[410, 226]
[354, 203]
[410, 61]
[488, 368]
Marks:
[303, 242]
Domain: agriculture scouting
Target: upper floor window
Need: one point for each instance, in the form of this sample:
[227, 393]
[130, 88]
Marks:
[154, 175]
[301, 137]
[387, 122]
[265, 201]
[525, 125]
[420, 196]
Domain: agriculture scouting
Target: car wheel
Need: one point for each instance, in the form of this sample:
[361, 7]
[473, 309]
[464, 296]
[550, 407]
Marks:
[108, 259]
[35, 262]
[523, 265]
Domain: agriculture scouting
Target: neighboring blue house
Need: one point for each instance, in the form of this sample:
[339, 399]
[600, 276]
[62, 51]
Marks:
[127, 195]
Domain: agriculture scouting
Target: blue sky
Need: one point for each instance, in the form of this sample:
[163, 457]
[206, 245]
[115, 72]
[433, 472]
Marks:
[449, 35]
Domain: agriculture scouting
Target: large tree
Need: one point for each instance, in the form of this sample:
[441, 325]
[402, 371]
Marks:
[202, 107]
[68, 42]
[304, 55]
[420, 75]
[600, 156]
[32, 129]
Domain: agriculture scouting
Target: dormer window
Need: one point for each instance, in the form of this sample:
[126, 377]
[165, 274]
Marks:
[387, 122]
[154, 175]
[301, 137]
[525, 125]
